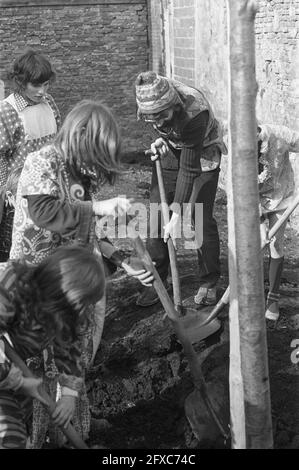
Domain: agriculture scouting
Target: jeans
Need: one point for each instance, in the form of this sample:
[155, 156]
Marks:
[204, 191]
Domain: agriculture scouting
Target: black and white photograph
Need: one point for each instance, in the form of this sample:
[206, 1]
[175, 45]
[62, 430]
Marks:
[149, 229]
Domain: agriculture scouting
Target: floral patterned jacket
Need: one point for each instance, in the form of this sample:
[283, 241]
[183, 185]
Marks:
[45, 175]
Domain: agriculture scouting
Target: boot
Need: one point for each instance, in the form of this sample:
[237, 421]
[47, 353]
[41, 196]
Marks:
[206, 296]
[272, 311]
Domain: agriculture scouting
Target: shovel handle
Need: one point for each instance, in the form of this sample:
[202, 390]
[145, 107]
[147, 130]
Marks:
[170, 311]
[70, 431]
[158, 284]
[225, 298]
[282, 219]
[171, 250]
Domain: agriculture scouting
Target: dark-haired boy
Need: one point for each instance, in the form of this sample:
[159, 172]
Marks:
[29, 119]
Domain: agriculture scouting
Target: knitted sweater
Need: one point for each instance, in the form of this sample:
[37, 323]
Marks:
[195, 137]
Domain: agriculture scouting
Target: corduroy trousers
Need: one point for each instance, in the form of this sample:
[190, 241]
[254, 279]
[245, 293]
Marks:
[204, 191]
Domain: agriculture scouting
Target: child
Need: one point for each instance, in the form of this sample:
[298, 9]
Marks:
[9, 195]
[29, 119]
[40, 305]
[276, 189]
[56, 205]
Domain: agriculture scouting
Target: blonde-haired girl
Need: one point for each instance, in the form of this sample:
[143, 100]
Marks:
[56, 205]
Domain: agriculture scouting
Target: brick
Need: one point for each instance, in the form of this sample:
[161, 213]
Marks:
[96, 50]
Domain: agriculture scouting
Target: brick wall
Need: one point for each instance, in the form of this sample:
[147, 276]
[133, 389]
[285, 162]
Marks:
[200, 53]
[156, 34]
[97, 48]
[184, 41]
[175, 19]
[192, 25]
[277, 61]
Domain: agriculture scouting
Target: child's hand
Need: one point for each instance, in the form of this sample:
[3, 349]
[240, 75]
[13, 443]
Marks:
[264, 234]
[64, 411]
[135, 268]
[116, 205]
[30, 387]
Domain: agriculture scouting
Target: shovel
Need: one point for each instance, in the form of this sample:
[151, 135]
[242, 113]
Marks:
[70, 431]
[225, 298]
[194, 323]
[198, 421]
[200, 396]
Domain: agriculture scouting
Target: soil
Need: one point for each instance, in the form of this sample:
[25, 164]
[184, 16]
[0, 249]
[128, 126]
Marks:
[140, 384]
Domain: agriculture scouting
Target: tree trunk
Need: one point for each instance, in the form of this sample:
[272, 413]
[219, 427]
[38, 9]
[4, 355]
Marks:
[251, 424]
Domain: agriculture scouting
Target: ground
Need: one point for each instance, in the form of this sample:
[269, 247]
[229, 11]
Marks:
[140, 383]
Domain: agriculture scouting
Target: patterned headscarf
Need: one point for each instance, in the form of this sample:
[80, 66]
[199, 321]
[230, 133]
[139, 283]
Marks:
[154, 93]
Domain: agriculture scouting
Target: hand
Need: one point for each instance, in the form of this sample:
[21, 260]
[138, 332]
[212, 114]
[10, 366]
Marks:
[31, 387]
[64, 411]
[159, 148]
[135, 268]
[116, 205]
[171, 229]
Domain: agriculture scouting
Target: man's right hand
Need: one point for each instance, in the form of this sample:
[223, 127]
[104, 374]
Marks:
[159, 148]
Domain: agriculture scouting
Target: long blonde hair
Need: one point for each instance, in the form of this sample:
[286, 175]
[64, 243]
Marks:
[89, 142]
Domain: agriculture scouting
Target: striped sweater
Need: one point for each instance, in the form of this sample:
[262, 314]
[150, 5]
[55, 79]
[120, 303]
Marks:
[30, 341]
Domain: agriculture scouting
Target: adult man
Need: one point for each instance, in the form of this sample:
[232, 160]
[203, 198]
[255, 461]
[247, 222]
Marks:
[185, 124]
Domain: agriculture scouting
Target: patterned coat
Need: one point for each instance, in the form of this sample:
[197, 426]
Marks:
[45, 174]
[24, 128]
[276, 180]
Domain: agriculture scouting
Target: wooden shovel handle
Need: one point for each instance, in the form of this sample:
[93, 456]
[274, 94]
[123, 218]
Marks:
[70, 431]
[282, 219]
[171, 249]
[225, 298]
